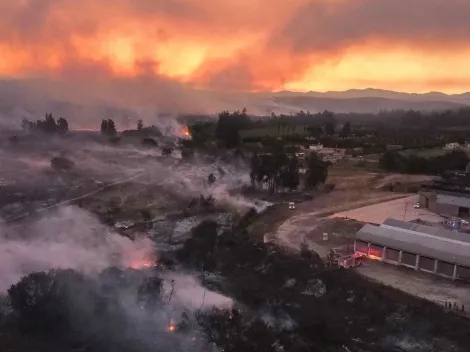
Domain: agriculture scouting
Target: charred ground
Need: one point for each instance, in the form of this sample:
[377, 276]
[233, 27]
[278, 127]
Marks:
[287, 301]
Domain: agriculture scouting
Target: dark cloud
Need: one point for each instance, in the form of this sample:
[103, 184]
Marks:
[217, 44]
[323, 25]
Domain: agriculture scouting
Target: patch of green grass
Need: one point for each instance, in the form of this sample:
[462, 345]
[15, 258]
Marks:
[273, 131]
[424, 153]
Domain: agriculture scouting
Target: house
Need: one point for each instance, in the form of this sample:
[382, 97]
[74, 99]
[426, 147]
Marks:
[316, 147]
[452, 146]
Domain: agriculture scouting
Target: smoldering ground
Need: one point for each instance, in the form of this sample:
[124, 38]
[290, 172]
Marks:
[97, 164]
[66, 238]
[71, 238]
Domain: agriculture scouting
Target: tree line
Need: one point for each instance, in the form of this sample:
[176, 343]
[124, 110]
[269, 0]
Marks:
[49, 125]
[280, 170]
[395, 162]
[108, 128]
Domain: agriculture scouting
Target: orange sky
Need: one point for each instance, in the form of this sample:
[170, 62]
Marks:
[406, 45]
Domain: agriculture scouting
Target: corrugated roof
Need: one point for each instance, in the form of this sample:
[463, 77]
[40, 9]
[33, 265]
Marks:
[428, 245]
[453, 200]
[430, 230]
[398, 223]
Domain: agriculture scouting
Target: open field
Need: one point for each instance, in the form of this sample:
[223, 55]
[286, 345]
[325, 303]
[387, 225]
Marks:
[273, 131]
[401, 209]
[428, 153]
[427, 286]
[350, 178]
[424, 153]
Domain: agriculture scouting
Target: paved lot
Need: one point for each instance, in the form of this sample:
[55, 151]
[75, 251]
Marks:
[439, 290]
[427, 286]
[401, 209]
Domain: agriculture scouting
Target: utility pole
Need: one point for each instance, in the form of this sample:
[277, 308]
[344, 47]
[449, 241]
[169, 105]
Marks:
[404, 215]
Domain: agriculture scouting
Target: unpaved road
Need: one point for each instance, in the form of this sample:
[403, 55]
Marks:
[303, 222]
[402, 209]
[305, 219]
[427, 286]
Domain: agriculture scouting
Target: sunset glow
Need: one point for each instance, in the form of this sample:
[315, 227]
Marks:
[235, 45]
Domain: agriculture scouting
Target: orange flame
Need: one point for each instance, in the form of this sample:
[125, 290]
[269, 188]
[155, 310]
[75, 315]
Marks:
[142, 264]
[374, 257]
[186, 132]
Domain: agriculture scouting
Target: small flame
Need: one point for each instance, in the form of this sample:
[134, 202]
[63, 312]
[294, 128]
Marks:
[172, 328]
[142, 264]
[374, 257]
[186, 132]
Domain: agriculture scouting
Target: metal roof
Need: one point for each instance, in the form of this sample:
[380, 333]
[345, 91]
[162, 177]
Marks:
[453, 200]
[426, 229]
[446, 249]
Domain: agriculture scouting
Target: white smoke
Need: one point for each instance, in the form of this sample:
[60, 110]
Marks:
[192, 296]
[29, 162]
[68, 238]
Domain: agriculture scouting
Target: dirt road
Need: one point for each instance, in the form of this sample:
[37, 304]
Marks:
[402, 209]
[427, 286]
[376, 208]
[305, 219]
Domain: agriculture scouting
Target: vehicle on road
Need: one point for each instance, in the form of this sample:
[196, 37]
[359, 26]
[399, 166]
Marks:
[291, 205]
[417, 205]
[335, 259]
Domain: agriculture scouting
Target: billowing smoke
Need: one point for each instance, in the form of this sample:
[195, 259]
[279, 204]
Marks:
[68, 238]
[99, 165]
[71, 238]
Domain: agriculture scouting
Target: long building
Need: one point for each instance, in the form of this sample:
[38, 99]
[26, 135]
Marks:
[444, 203]
[425, 248]
[448, 197]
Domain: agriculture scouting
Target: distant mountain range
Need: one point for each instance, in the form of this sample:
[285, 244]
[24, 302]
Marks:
[371, 101]
[387, 94]
[86, 104]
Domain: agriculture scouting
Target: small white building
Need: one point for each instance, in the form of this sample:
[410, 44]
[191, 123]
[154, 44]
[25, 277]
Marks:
[316, 147]
[452, 146]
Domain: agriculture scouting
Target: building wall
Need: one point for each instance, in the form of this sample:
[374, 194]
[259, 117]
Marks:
[457, 201]
[412, 260]
[425, 198]
[443, 209]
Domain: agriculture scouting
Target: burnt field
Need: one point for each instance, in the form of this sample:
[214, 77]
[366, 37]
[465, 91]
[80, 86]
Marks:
[327, 309]
[181, 245]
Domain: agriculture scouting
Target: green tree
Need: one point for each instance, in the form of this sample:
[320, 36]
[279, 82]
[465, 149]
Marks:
[317, 171]
[167, 151]
[43, 300]
[108, 128]
[346, 130]
[211, 179]
[140, 125]
[229, 125]
[391, 161]
[62, 125]
[290, 174]
[111, 128]
[104, 127]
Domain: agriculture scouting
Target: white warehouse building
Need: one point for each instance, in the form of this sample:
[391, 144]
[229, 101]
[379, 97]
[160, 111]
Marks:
[425, 248]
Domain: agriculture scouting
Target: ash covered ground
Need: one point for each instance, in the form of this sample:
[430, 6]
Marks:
[127, 239]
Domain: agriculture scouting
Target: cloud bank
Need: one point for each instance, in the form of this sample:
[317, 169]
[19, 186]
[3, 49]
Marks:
[173, 46]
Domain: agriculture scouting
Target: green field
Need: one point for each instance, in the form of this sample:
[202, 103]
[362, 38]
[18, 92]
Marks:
[273, 131]
[424, 153]
[428, 153]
